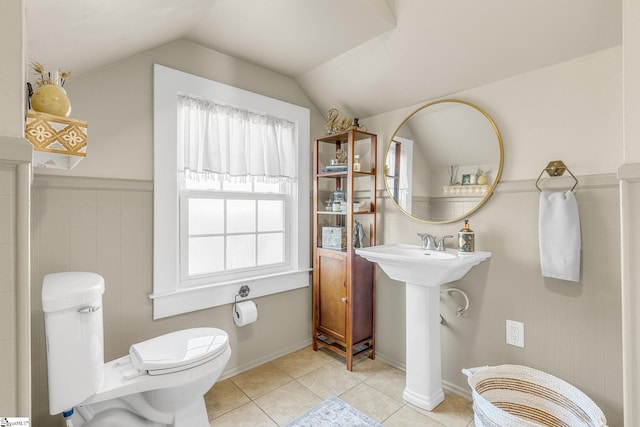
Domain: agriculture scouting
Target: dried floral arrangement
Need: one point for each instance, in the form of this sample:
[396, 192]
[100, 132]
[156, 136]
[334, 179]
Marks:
[47, 78]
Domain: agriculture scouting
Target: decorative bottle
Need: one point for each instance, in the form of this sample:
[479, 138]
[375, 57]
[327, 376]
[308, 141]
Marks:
[466, 239]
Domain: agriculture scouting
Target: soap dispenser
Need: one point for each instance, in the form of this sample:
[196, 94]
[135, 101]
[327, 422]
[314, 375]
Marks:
[466, 239]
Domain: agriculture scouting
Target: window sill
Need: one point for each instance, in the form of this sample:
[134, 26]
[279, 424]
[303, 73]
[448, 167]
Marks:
[197, 298]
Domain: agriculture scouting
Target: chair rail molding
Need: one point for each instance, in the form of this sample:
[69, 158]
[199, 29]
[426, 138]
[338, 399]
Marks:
[629, 172]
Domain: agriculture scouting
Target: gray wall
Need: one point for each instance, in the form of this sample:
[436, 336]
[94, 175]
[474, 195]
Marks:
[98, 217]
[572, 330]
[572, 112]
[15, 158]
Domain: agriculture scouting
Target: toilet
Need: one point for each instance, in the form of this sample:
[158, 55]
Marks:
[161, 382]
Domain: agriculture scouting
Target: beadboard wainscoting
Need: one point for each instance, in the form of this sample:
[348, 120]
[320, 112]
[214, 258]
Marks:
[572, 330]
[105, 226]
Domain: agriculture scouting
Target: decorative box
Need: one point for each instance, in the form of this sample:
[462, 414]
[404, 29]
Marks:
[58, 142]
[334, 237]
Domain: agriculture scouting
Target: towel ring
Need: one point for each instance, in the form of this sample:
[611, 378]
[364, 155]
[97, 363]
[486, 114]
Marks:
[556, 168]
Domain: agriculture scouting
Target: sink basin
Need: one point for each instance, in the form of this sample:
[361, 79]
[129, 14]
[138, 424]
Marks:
[400, 251]
[423, 272]
[410, 263]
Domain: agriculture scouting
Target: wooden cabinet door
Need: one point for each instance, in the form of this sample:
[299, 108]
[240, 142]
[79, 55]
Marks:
[332, 294]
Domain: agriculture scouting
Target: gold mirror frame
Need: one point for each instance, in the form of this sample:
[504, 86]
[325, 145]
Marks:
[495, 180]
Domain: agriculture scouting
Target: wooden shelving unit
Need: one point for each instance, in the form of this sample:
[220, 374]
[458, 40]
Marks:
[343, 282]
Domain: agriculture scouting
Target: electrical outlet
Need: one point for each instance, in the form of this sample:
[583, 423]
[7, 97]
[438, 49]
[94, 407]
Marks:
[515, 333]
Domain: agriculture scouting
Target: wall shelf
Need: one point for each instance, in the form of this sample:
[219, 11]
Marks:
[58, 142]
[465, 190]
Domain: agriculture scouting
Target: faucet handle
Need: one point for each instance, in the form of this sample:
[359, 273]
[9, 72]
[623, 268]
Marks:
[441, 245]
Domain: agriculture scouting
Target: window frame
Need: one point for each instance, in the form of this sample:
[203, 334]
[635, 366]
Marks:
[169, 297]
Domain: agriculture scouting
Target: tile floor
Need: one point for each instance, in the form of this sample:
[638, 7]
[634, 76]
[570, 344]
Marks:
[279, 391]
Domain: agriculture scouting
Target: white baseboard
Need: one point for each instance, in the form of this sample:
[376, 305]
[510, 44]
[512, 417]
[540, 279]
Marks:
[463, 392]
[230, 372]
[389, 361]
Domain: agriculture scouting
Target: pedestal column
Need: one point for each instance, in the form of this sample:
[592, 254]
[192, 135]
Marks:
[424, 370]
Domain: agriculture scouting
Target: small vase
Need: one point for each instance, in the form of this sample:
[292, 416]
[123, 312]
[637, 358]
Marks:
[51, 99]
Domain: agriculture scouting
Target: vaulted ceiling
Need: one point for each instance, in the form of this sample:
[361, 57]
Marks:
[362, 56]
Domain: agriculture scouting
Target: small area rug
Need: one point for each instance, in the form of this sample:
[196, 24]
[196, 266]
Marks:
[333, 412]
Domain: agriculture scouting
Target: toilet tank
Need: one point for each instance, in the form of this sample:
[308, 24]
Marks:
[72, 306]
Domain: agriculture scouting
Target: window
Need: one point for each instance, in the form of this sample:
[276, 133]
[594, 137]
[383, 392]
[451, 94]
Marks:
[230, 233]
[399, 172]
[230, 193]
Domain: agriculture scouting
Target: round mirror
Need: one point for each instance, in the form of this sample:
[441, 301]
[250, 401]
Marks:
[443, 161]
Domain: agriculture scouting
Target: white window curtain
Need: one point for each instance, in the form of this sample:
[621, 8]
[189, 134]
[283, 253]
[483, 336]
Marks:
[222, 142]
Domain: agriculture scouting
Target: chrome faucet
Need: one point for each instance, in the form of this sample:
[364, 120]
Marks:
[431, 243]
[428, 241]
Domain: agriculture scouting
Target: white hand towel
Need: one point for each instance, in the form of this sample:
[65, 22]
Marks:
[559, 232]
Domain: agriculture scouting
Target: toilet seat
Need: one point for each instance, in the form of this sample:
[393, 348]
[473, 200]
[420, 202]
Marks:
[178, 351]
[122, 379]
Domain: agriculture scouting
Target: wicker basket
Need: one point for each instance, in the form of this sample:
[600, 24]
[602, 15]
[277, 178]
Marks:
[517, 396]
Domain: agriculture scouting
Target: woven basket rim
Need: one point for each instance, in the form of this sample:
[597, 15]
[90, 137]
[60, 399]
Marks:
[530, 377]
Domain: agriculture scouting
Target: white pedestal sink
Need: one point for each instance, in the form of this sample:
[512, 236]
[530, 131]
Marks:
[423, 272]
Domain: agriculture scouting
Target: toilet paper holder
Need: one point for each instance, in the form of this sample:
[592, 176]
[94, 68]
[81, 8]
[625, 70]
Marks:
[242, 293]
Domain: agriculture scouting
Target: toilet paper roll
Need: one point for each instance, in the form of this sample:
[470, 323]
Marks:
[245, 313]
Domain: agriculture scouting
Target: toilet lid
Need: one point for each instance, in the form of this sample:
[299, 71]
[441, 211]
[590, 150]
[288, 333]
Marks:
[178, 350]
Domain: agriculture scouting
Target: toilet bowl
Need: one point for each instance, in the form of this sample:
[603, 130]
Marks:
[161, 382]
